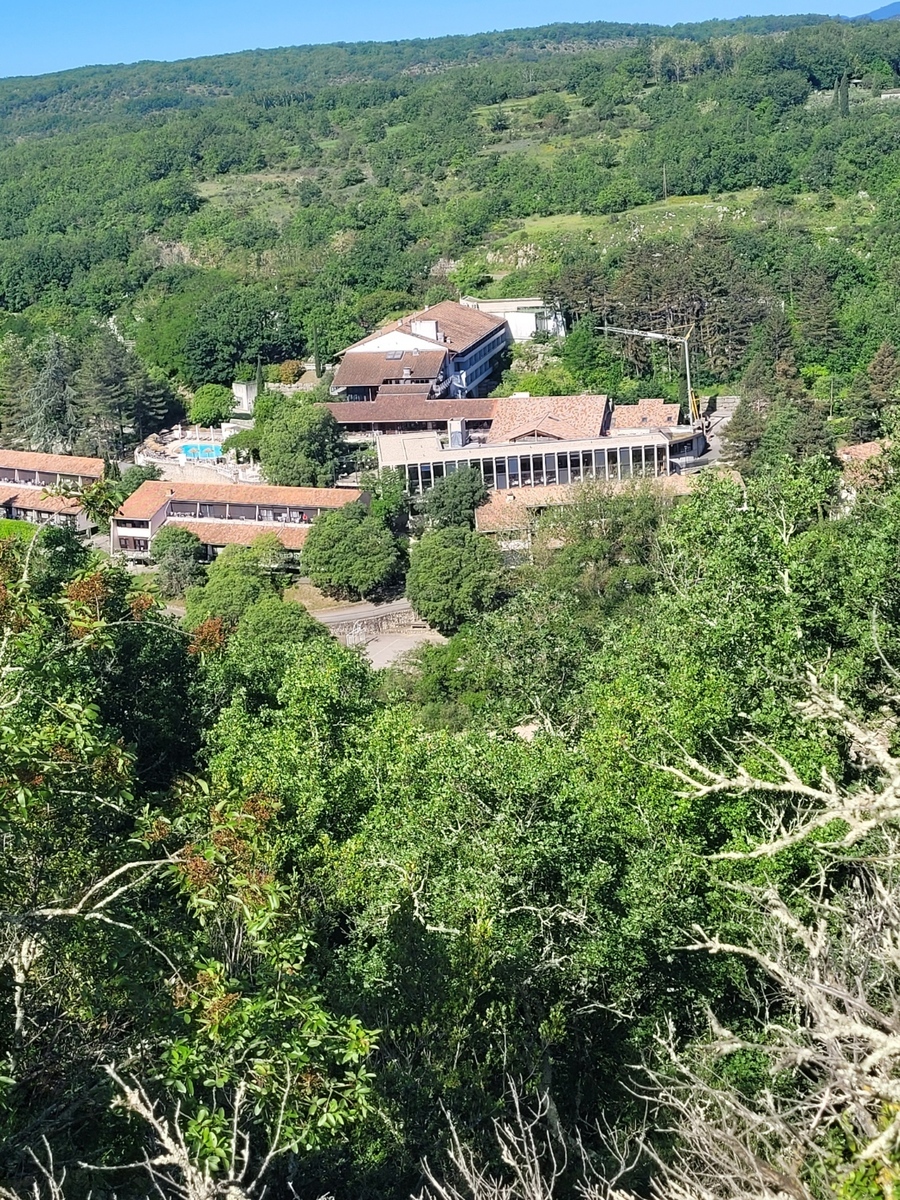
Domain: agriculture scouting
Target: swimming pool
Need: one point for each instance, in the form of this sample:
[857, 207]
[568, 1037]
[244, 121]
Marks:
[201, 450]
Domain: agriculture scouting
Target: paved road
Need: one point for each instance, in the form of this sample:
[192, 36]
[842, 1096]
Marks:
[360, 612]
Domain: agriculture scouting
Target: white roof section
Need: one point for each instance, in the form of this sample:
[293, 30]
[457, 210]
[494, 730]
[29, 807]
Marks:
[393, 339]
[401, 449]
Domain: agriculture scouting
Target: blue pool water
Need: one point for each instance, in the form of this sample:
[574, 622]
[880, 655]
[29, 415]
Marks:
[201, 450]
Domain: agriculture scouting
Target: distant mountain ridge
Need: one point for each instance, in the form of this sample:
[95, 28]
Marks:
[890, 12]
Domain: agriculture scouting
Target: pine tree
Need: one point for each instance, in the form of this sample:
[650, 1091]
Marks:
[884, 373]
[817, 317]
[863, 408]
[152, 402]
[788, 384]
[742, 436]
[16, 376]
[104, 397]
[51, 417]
[757, 385]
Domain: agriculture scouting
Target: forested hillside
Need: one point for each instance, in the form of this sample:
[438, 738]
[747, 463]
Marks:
[597, 897]
[272, 204]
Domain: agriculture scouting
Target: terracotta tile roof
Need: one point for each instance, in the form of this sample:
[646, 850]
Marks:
[646, 414]
[573, 417]
[458, 326]
[370, 368]
[65, 464]
[14, 495]
[152, 495]
[409, 408]
[242, 533]
[513, 510]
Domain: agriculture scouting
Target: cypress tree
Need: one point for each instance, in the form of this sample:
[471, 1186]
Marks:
[845, 95]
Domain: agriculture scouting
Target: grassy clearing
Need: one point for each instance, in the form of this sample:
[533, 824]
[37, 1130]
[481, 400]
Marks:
[310, 597]
[679, 215]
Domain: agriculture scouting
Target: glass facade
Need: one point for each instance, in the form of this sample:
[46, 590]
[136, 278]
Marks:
[536, 469]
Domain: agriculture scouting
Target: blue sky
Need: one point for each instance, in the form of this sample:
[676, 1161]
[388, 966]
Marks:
[51, 35]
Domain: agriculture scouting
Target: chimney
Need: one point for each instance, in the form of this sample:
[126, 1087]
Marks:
[425, 329]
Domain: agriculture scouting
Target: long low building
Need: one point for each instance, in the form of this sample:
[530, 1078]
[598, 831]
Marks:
[221, 514]
[48, 470]
[32, 504]
[409, 410]
[549, 440]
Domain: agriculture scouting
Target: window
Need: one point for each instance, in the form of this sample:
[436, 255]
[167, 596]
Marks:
[648, 460]
[426, 475]
[500, 465]
[538, 470]
[587, 464]
[612, 461]
[550, 465]
[140, 544]
[661, 468]
[437, 470]
[563, 464]
[575, 466]
[625, 463]
[124, 543]
[600, 464]
[412, 475]
[513, 470]
[637, 460]
[526, 470]
[487, 470]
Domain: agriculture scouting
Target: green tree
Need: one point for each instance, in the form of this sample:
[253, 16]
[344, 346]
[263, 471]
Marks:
[237, 579]
[884, 372]
[51, 418]
[259, 651]
[133, 477]
[211, 404]
[16, 377]
[352, 554]
[453, 499]
[103, 393]
[454, 574]
[301, 445]
[742, 436]
[177, 553]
